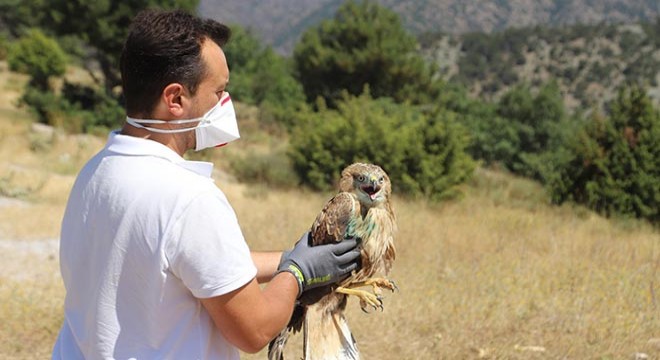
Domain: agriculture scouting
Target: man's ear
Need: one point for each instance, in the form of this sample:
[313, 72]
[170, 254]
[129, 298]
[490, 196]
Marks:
[174, 97]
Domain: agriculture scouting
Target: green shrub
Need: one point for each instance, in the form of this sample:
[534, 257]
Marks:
[98, 110]
[45, 105]
[423, 153]
[613, 164]
[39, 56]
[79, 109]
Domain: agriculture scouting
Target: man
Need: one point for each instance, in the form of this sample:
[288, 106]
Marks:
[152, 257]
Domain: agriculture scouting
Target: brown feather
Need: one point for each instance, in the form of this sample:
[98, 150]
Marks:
[331, 223]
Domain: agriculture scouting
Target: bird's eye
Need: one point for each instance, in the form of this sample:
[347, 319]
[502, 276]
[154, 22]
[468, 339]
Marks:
[361, 178]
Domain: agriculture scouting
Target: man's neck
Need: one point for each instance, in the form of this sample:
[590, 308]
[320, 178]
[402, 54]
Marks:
[176, 142]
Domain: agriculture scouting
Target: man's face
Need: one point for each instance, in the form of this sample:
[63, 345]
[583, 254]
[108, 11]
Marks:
[212, 87]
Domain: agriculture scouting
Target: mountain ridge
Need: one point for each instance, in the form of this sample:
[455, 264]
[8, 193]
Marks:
[280, 23]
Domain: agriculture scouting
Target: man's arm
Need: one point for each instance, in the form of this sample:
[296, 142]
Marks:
[250, 317]
[266, 263]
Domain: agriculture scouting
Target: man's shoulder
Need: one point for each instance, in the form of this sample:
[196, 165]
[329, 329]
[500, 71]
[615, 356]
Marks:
[136, 179]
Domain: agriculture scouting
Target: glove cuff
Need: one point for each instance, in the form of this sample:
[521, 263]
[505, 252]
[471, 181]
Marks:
[296, 272]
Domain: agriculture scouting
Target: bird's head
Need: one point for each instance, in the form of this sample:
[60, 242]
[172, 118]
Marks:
[369, 182]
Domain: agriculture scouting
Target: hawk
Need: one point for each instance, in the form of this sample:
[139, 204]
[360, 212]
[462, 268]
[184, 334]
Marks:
[360, 209]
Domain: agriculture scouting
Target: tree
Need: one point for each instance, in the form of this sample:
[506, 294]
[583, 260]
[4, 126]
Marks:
[492, 138]
[93, 33]
[17, 16]
[538, 124]
[93, 30]
[241, 53]
[261, 77]
[39, 56]
[364, 44]
[615, 162]
[102, 25]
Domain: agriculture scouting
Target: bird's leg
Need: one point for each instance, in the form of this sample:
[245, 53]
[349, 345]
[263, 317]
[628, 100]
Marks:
[366, 298]
[376, 284]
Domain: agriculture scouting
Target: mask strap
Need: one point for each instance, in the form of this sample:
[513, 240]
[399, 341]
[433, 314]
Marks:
[136, 123]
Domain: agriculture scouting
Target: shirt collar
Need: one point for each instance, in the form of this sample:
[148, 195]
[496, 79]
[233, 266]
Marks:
[135, 146]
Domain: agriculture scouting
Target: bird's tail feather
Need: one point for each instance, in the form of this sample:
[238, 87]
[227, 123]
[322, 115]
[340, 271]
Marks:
[276, 346]
[327, 336]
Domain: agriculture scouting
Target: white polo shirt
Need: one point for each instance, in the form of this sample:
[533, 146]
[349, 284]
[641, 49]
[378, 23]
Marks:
[145, 234]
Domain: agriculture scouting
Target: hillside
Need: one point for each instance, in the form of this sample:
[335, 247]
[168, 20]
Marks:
[280, 23]
[588, 61]
[589, 49]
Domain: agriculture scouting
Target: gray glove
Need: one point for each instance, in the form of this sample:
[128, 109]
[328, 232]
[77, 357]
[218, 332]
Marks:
[315, 266]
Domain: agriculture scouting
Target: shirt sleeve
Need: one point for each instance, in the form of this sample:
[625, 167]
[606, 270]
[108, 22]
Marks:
[208, 251]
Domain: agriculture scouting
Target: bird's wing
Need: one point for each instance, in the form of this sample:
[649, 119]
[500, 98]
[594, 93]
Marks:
[336, 220]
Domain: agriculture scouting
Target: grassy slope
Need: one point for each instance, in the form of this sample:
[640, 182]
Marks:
[489, 276]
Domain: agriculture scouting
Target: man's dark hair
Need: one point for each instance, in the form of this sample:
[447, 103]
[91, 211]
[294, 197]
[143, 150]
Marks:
[164, 47]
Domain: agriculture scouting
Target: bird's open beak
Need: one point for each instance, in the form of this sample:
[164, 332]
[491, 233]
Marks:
[372, 189]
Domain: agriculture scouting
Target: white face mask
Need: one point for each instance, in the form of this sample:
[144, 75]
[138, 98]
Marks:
[216, 128]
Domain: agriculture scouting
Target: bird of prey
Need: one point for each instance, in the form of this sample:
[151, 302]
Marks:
[360, 209]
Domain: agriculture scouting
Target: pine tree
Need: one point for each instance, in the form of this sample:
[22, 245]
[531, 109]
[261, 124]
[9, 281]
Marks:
[615, 168]
[364, 44]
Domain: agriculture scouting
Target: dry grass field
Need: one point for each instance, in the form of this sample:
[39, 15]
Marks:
[496, 275]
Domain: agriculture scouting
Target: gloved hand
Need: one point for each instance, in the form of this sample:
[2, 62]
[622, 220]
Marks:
[315, 266]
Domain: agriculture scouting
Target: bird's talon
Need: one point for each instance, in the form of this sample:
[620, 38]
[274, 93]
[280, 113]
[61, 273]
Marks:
[373, 301]
[365, 308]
[367, 311]
[380, 303]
